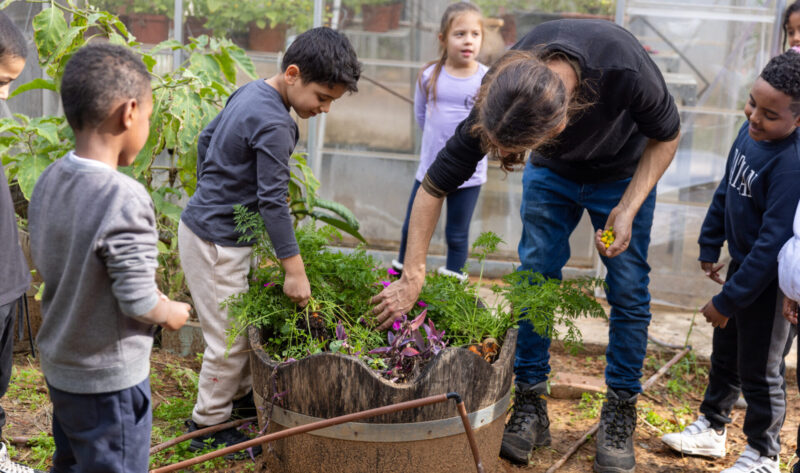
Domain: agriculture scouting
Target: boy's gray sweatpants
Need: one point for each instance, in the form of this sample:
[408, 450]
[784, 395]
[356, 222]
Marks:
[748, 357]
[214, 273]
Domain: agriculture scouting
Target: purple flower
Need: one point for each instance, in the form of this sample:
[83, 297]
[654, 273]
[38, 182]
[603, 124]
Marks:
[392, 272]
[397, 324]
[269, 284]
[385, 283]
[422, 304]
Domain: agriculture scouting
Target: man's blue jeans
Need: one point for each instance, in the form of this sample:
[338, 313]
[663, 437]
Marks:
[551, 209]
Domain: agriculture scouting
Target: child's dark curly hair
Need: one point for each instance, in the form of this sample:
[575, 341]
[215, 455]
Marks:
[783, 73]
[97, 78]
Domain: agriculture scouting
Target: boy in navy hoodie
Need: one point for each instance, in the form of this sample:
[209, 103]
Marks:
[752, 210]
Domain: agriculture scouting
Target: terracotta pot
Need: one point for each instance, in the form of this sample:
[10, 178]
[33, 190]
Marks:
[381, 18]
[509, 29]
[150, 29]
[193, 27]
[267, 39]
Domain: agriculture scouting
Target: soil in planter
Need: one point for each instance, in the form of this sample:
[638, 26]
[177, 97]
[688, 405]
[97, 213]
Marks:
[315, 325]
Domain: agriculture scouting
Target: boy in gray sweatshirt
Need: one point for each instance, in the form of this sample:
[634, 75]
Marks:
[93, 239]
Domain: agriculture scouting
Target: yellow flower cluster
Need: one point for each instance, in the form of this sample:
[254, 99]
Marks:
[608, 237]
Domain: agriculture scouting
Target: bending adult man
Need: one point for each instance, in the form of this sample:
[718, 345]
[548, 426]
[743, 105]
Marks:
[587, 99]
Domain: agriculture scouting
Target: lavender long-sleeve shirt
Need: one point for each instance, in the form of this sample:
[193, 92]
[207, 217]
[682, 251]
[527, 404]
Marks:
[438, 120]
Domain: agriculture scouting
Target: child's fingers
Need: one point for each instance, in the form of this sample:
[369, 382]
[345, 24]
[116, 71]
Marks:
[716, 278]
[717, 267]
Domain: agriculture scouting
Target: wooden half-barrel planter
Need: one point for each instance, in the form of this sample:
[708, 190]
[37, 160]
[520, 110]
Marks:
[428, 439]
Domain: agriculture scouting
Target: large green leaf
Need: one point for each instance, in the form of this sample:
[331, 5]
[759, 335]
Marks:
[164, 206]
[339, 209]
[47, 130]
[49, 29]
[227, 65]
[242, 60]
[38, 83]
[340, 224]
[29, 170]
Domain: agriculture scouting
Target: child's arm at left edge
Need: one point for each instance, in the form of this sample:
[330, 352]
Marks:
[760, 266]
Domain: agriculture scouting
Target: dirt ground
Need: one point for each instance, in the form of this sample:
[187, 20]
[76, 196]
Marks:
[669, 405]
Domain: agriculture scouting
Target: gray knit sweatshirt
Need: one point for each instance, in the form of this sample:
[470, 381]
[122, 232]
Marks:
[93, 239]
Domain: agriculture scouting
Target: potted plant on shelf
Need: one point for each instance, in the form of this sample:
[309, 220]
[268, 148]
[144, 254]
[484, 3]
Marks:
[148, 20]
[378, 15]
[265, 22]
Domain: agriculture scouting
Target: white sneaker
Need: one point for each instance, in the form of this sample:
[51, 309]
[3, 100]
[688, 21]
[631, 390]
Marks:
[462, 277]
[751, 461]
[698, 439]
[7, 466]
[396, 265]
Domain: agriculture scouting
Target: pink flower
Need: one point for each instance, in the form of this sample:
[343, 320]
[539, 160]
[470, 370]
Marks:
[422, 304]
[385, 283]
[269, 284]
[392, 272]
[397, 324]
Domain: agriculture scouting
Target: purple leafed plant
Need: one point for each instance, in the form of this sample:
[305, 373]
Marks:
[409, 350]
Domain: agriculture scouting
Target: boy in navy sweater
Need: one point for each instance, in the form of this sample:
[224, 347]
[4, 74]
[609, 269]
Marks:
[752, 210]
[243, 158]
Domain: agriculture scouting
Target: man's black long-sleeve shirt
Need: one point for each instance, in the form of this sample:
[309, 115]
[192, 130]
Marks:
[629, 101]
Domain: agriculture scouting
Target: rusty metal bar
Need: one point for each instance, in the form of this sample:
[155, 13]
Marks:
[199, 432]
[473, 445]
[336, 421]
[650, 381]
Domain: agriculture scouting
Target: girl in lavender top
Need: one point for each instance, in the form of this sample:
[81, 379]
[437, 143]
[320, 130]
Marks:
[444, 96]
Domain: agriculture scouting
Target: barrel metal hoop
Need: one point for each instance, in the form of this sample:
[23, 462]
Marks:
[406, 432]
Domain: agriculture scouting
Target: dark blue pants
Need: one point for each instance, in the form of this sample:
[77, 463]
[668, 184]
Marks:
[551, 209]
[747, 356]
[460, 206]
[102, 433]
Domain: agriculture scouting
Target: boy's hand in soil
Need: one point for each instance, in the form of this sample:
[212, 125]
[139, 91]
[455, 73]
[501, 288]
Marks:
[790, 310]
[713, 316]
[295, 283]
[621, 223]
[712, 271]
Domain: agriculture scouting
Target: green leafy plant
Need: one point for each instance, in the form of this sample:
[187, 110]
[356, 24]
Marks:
[338, 316]
[225, 17]
[151, 7]
[184, 101]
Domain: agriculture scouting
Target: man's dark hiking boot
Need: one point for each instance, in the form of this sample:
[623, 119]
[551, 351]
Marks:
[244, 407]
[529, 425]
[218, 440]
[615, 436]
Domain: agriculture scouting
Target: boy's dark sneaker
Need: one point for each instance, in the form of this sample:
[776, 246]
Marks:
[218, 440]
[244, 407]
[529, 425]
[8, 466]
[615, 436]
